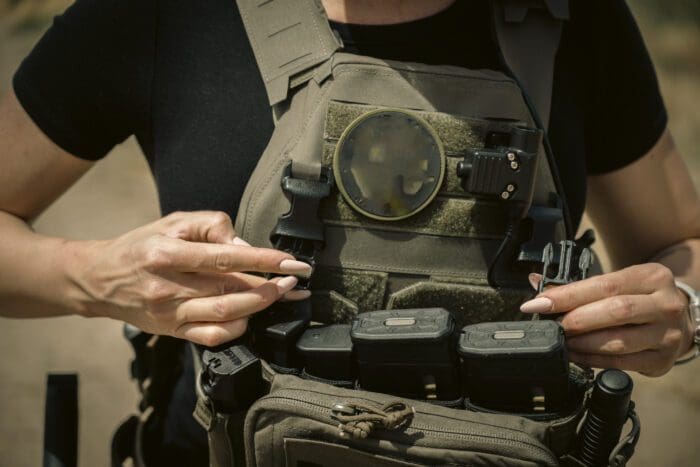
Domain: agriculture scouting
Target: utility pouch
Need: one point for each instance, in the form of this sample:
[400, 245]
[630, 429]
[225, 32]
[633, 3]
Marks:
[308, 423]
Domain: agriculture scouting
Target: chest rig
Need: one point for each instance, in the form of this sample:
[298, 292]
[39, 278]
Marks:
[405, 185]
[422, 195]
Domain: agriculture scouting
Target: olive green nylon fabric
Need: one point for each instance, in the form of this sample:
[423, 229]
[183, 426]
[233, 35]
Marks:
[365, 289]
[468, 303]
[456, 236]
[288, 38]
[299, 410]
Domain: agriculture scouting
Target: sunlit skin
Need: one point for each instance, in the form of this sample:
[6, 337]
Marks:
[184, 275]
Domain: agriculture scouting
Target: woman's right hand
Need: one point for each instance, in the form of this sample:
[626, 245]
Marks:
[182, 276]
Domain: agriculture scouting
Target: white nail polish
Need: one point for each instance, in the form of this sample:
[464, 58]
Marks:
[299, 268]
[286, 284]
[239, 241]
[297, 294]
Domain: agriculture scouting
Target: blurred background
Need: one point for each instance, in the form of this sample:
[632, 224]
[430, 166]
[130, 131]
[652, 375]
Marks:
[118, 194]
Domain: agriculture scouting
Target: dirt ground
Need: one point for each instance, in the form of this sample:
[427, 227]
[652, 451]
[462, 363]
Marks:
[118, 194]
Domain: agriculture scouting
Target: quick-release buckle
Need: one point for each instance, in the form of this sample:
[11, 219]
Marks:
[299, 232]
[503, 171]
[573, 261]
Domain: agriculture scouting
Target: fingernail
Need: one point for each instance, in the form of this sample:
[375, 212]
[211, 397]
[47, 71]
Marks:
[297, 295]
[239, 241]
[537, 305]
[298, 268]
[534, 280]
[286, 284]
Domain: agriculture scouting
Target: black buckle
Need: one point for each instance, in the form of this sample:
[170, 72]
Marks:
[506, 172]
[573, 260]
[542, 222]
[300, 231]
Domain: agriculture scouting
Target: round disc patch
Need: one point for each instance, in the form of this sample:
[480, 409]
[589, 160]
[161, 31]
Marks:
[389, 164]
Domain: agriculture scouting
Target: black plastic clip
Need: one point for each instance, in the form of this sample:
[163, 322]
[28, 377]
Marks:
[300, 231]
[231, 377]
[506, 172]
[573, 261]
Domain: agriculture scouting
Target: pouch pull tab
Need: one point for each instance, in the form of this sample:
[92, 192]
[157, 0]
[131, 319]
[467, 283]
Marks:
[359, 420]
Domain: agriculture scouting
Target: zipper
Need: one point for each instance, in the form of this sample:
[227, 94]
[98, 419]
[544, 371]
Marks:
[321, 406]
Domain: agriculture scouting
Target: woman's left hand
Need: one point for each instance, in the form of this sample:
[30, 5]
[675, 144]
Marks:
[632, 319]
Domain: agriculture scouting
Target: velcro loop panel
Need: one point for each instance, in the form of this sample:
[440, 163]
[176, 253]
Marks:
[470, 304]
[366, 289]
[458, 134]
[330, 307]
[449, 217]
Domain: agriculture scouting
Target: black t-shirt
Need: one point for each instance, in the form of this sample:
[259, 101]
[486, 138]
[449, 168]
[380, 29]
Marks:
[181, 76]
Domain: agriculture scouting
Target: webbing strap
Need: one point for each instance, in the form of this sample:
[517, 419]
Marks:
[528, 33]
[288, 38]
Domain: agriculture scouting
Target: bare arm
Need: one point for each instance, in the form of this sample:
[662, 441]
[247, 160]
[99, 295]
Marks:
[650, 211]
[33, 173]
[181, 275]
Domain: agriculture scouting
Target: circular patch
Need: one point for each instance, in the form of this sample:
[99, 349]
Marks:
[389, 164]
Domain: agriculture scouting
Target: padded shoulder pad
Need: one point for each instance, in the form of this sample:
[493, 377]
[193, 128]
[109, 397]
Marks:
[288, 37]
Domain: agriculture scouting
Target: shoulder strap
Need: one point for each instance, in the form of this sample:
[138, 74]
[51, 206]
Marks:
[528, 33]
[288, 38]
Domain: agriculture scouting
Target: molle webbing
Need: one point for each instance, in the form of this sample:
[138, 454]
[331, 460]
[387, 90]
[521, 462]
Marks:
[528, 34]
[288, 39]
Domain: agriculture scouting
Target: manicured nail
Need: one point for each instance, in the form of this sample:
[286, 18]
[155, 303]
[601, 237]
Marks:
[239, 241]
[286, 284]
[297, 295]
[298, 268]
[534, 280]
[537, 305]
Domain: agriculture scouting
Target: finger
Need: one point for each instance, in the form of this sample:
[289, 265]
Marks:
[534, 280]
[202, 284]
[201, 226]
[296, 295]
[611, 312]
[240, 242]
[648, 362]
[621, 340]
[185, 256]
[233, 306]
[629, 281]
[213, 334]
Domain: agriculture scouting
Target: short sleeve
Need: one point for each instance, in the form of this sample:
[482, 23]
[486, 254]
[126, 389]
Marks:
[626, 115]
[86, 84]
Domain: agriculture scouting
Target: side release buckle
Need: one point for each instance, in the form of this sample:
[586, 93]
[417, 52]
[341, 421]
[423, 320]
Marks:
[300, 231]
[573, 261]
